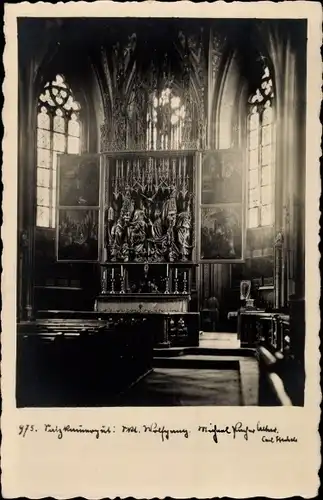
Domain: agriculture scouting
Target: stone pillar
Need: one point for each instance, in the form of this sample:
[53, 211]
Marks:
[27, 159]
[290, 70]
[289, 162]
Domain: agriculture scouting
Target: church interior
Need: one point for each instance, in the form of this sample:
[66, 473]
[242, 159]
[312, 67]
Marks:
[161, 212]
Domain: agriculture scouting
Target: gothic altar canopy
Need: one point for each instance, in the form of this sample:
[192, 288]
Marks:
[155, 193]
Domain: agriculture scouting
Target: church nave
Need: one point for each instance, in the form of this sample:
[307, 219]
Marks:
[161, 212]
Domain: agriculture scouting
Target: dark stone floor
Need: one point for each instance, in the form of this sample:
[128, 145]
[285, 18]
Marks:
[186, 387]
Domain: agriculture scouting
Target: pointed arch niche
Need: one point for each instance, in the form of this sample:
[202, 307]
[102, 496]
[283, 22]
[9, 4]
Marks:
[226, 103]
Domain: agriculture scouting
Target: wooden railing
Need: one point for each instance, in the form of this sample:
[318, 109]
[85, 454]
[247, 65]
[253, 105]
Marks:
[281, 368]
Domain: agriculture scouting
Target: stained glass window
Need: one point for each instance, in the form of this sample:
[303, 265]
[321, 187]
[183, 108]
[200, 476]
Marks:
[165, 119]
[261, 154]
[58, 131]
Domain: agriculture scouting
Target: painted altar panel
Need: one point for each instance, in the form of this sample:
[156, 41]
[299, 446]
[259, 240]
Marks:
[221, 232]
[78, 235]
[222, 177]
[221, 210]
[150, 207]
[78, 208]
[79, 180]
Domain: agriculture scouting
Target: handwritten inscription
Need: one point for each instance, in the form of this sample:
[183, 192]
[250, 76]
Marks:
[164, 432]
[214, 431]
[268, 434]
[238, 431]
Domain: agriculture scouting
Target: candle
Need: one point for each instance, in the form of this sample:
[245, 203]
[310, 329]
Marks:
[175, 272]
[112, 273]
[156, 174]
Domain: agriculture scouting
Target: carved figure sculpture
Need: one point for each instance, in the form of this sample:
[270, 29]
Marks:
[119, 239]
[184, 228]
[158, 241]
[124, 254]
[118, 233]
[137, 231]
[169, 215]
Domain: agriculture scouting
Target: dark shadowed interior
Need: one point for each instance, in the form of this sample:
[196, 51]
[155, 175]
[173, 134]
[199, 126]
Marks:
[161, 212]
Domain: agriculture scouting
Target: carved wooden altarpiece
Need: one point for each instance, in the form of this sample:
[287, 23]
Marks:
[149, 207]
[147, 217]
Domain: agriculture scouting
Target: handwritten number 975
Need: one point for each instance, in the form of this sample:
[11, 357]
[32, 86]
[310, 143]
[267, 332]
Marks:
[23, 429]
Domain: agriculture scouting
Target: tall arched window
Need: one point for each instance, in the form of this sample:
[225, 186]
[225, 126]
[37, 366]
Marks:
[58, 131]
[165, 121]
[261, 154]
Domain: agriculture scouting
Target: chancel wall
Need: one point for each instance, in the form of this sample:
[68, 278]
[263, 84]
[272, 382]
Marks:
[116, 78]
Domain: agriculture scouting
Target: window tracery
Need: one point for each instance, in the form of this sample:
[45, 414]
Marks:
[165, 121]
[58, 131]
[261, 154]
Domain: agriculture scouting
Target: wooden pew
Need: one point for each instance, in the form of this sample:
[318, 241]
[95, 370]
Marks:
[281, 371]
[79, 362]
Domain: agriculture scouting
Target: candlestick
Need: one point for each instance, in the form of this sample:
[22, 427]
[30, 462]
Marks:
[122, 280]
[176, 281]
[104, 282]
[167, 279]
[112, 281]
[185, 282]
